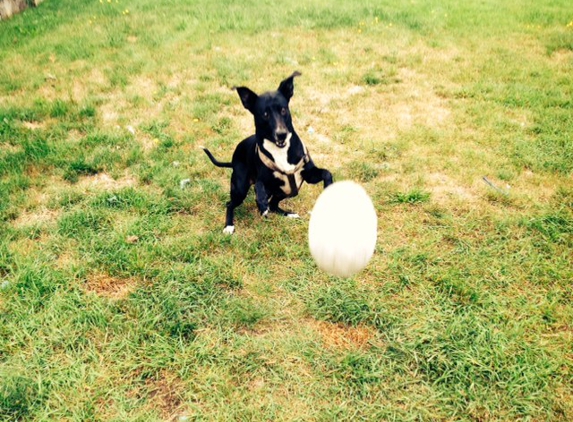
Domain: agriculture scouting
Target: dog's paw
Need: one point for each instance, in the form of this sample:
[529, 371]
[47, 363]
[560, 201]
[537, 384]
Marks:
[229, 230]
[292, 215]
[265, 214]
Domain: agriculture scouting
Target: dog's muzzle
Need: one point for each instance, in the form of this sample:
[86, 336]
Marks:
[282, 138]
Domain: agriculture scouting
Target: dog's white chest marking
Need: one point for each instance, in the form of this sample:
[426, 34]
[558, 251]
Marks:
[280, 155]
[290, 174]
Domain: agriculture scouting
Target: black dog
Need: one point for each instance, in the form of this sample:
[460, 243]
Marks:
[274, 159]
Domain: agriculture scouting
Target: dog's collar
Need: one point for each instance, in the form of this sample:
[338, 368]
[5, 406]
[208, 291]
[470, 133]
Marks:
[269, 163]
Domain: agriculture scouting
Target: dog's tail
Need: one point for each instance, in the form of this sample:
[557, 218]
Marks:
[215, 161]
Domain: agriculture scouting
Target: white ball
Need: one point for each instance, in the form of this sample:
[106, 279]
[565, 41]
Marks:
[342, 230]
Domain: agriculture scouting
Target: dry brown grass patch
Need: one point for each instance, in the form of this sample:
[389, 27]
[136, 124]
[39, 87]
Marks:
[445, 189]
[28, 246]
[111, 112]
[562, 57]
[34, 125]
[66, 259]
[41, 215]
[110, 287]
[339, 336]
[166, 394]
[103, 181]
[163, 393]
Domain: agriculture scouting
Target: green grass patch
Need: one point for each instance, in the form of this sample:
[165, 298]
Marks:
[121, 298]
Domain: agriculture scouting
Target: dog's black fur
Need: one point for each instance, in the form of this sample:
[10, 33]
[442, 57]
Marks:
[274, 159]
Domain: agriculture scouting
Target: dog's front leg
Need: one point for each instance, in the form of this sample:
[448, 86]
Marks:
[314, 175]
[262, 198]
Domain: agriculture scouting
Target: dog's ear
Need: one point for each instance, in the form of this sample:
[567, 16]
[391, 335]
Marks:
[248, 98]
[287, 86]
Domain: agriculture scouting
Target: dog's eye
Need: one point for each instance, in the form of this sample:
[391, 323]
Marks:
[283, 111]
[266, 115]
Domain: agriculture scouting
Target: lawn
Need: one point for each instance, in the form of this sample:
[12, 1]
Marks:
[122, 300]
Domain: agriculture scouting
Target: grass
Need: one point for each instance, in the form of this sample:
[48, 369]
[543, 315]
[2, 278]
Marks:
[120, 297]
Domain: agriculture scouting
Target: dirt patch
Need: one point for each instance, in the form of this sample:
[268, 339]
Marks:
[110, 287]
[339, 336]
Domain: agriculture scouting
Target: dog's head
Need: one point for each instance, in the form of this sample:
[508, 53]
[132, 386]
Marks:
[272, 115]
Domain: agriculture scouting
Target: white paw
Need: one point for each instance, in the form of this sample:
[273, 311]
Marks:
[229, 230]
[292, 215]
[266, 213]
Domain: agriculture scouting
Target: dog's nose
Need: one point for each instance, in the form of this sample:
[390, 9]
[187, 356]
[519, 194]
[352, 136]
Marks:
[281, 136]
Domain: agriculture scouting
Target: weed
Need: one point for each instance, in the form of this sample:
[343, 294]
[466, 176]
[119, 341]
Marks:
[80, 168]
[412, 197]
[380, 77]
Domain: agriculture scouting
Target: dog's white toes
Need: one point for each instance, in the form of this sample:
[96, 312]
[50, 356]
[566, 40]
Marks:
[293, 215]
[229, 230]
[266, 213]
